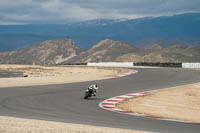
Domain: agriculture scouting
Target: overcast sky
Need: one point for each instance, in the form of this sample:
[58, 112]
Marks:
[64, 11]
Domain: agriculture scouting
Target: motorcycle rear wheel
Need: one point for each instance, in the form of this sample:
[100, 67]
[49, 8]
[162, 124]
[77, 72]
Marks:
[86, 95]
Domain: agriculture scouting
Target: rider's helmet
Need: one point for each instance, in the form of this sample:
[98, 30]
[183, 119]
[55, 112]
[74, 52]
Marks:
[96, 87]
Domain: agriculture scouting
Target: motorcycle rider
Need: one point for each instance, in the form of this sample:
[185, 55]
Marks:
[93, 89]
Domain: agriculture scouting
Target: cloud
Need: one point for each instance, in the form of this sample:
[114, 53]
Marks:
[5, 4]
[66, 10]
[63, 11]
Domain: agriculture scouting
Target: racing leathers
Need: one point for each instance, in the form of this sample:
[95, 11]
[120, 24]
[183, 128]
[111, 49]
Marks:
[93, 89]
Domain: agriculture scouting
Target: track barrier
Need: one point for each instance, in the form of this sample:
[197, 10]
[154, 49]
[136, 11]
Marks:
[159, 64]
[190, 65]
[131, 64]
[111, 64]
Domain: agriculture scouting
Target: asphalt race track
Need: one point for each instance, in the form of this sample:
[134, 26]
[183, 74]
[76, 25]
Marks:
[65, 102]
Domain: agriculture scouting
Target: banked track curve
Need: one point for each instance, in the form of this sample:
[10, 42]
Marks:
[65, 102]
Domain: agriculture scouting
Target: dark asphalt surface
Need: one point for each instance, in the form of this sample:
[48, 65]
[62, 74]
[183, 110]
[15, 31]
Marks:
[64, 103]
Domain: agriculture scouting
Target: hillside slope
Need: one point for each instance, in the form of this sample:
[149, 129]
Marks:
[106, 51]
[66, 51]
[48, 52]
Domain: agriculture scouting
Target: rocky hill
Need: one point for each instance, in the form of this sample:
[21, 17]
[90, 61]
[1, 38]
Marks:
[66, 51]
[48, 52]
[107, 51]
[159, 53]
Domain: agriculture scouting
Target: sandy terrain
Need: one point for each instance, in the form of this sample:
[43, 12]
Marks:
[39, 75]
[18, 125]
[180, 103]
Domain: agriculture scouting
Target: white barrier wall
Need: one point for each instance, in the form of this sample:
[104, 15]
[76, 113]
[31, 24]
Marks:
[111, 64]
[190, 65]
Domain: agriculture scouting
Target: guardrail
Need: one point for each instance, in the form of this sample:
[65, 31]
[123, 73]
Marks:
[158, 64]
[111, 64]
[81, 64]
[190, 65]
[131, 64]
[154, 64]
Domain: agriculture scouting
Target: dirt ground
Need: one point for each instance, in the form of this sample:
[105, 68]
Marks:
[40, 75]
[179, 103]
[19, 125]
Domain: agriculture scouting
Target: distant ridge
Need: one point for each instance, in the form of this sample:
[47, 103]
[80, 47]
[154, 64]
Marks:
[66, 52]
[165, 30]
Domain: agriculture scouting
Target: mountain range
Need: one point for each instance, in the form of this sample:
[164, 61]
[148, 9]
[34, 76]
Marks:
[67, 52]
[165, 30]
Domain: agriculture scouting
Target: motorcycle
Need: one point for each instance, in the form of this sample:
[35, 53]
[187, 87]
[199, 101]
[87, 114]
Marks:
[91, 91]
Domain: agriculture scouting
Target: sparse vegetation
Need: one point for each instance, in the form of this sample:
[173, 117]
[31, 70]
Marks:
[67, 52]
